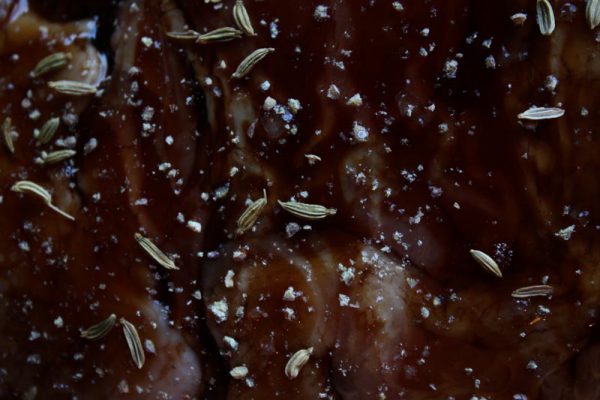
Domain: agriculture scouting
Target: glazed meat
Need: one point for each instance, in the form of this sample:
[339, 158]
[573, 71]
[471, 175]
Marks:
[303, 199]
[413, 113]
[62, 276]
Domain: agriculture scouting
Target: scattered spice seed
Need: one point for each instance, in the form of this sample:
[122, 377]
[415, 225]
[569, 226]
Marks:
[34, 188]
[72, 88]
[540, 113]
[184, 35]
[307, 211]
[250, 61]
[225, 34]
[31, 187]
[242, 20]
[251, 214]
[486, 262]
[7, 134]
[545, 17]
[533, 291]
[46, 133]
[155, 252]
[592, 13]
[57, 156]
[50, 63]
[134, 343]
[99, 330]
[296, 362]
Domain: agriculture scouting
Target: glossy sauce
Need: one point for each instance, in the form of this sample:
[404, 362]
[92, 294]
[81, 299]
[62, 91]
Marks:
[446, 167]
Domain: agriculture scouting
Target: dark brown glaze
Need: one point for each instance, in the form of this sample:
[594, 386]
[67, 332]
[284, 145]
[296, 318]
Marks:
[465, 174]
[269, 328]
[387, 295]
[61, 276]
[60, 10]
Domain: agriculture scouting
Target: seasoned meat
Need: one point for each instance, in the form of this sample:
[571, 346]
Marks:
[412, 109]
[302, 199]
[60, 276]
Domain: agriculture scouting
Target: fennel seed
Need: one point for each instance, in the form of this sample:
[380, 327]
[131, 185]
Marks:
[251, 214]
[540, 113]
[533, 291]
[7, 134]
[184, 35]
[154, 252]
[72, 88]
[486, 262]
[242, 20]
[57, 156]
[545, 17]
[592, 13]
[99, 330]
[51, 63]
[225, 34]
[39, 191]
[134, 343]
[307, 211]
[250, 61]
[46, 133]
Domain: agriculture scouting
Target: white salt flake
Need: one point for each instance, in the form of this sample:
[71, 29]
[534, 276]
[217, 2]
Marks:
[220, 310]
[333, 92]
[344, 300]
[239, 372]
[228, 280]
[146, 41]
[450, 68]
[321, 13]
[355, 101]
[269, 103]
[231, 342]
[565, 234]
[289, 294]
[359, 132]
[194, 226]
[294, 105]
[346, 274]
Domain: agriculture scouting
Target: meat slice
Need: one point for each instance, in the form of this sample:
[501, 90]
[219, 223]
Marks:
[403, 120]
[60, 277]
[412, 111]
[267, 299]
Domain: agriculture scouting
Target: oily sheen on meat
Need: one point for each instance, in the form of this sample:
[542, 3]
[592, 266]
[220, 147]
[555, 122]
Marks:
[299, 199]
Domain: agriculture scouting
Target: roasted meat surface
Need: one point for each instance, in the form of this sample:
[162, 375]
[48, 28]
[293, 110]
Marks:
[334, 199]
